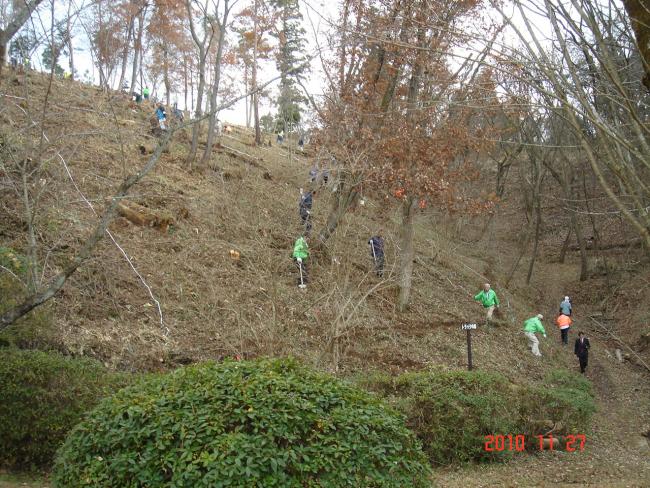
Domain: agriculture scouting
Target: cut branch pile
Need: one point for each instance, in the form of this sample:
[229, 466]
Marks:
[139, 215]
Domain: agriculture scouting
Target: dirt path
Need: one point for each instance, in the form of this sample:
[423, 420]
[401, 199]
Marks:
[616, 454]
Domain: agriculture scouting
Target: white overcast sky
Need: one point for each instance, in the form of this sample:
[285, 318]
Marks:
[320, 18]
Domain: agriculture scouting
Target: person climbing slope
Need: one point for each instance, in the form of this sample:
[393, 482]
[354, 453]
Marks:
[304, 209]
[161, 115]
[488, 298]
[564, 323]
[565, 307]
[377, 252]
[300, 255]
[145, 93]
[532, 326]
[581, 349]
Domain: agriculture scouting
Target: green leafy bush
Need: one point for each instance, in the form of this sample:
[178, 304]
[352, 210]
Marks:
[33, 331]
[42, 396]
[568, 399]
[265, 423]
[452, 412]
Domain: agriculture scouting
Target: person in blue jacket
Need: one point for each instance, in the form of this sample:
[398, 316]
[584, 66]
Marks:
[304, 209]
[161, 115]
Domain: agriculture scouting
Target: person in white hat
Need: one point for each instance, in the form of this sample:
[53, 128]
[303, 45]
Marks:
[565, 307]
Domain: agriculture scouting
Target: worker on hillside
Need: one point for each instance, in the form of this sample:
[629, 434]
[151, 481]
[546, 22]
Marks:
[313, 173]
[564, 323]
[301, 144]
[581, 350]
[300, 255]
[377, 252]
[488, 298]
[531, 326]
[304, 209]
[178, 115]
[325, 176]
[161, 115]
[145, 93]
[565, 307]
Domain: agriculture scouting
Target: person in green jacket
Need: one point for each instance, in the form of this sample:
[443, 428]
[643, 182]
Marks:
[300, 255]
[145, 93]
[488, 298]
[531, 326]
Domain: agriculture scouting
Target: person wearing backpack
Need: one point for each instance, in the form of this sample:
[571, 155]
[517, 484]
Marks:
[564, 323]
[566, 307]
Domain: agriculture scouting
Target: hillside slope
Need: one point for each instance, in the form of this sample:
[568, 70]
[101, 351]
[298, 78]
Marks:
[214, 306]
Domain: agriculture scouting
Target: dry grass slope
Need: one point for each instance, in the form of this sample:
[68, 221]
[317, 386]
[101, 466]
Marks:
[215, 306]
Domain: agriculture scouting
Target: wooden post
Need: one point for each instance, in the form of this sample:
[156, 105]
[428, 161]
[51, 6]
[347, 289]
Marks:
[468, 328]
[469, 349]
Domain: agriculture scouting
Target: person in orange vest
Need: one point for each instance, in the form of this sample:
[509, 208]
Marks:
[564, 323]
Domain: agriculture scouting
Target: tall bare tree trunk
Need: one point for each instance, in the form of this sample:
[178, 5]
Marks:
[215, 85]
[68, 32]
[137, 48]
[565, 245]
[125, 54]
[168, 87]
[407, 252]
[538, 225]
[246, 102]
[346, 196]
[203, 46]
[255, 99]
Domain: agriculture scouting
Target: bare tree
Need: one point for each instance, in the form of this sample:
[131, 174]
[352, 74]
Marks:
[222, 25]
[592, 71]
[20, 12]
[202, 40]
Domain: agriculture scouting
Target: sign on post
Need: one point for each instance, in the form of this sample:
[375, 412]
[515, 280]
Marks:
[469, 328]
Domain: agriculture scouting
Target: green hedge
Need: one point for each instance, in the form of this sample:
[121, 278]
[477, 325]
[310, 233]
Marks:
[42, 396]
[452, 412]
[264, 423]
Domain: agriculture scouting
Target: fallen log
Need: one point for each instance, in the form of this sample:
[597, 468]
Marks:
[142, 216]
[591, 245]
[247, 158]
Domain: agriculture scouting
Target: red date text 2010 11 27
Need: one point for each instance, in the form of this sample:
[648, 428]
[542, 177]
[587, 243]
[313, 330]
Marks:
[518, 442]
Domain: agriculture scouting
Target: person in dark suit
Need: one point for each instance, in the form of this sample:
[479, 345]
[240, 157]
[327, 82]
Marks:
[581, 350]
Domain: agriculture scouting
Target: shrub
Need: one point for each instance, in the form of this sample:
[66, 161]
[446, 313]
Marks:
[568, 399]
[43, 396]
[452, 412]
[266, 423]
[33, 331]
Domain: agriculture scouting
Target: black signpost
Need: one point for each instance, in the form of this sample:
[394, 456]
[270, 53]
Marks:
[469, 328]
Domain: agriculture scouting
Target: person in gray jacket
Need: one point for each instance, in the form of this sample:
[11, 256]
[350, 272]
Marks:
[565, 307]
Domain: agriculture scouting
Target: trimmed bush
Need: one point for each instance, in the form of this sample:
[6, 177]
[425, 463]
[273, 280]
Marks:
[452, 412]
[568, 399]
[42, 396]
[265, 423]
